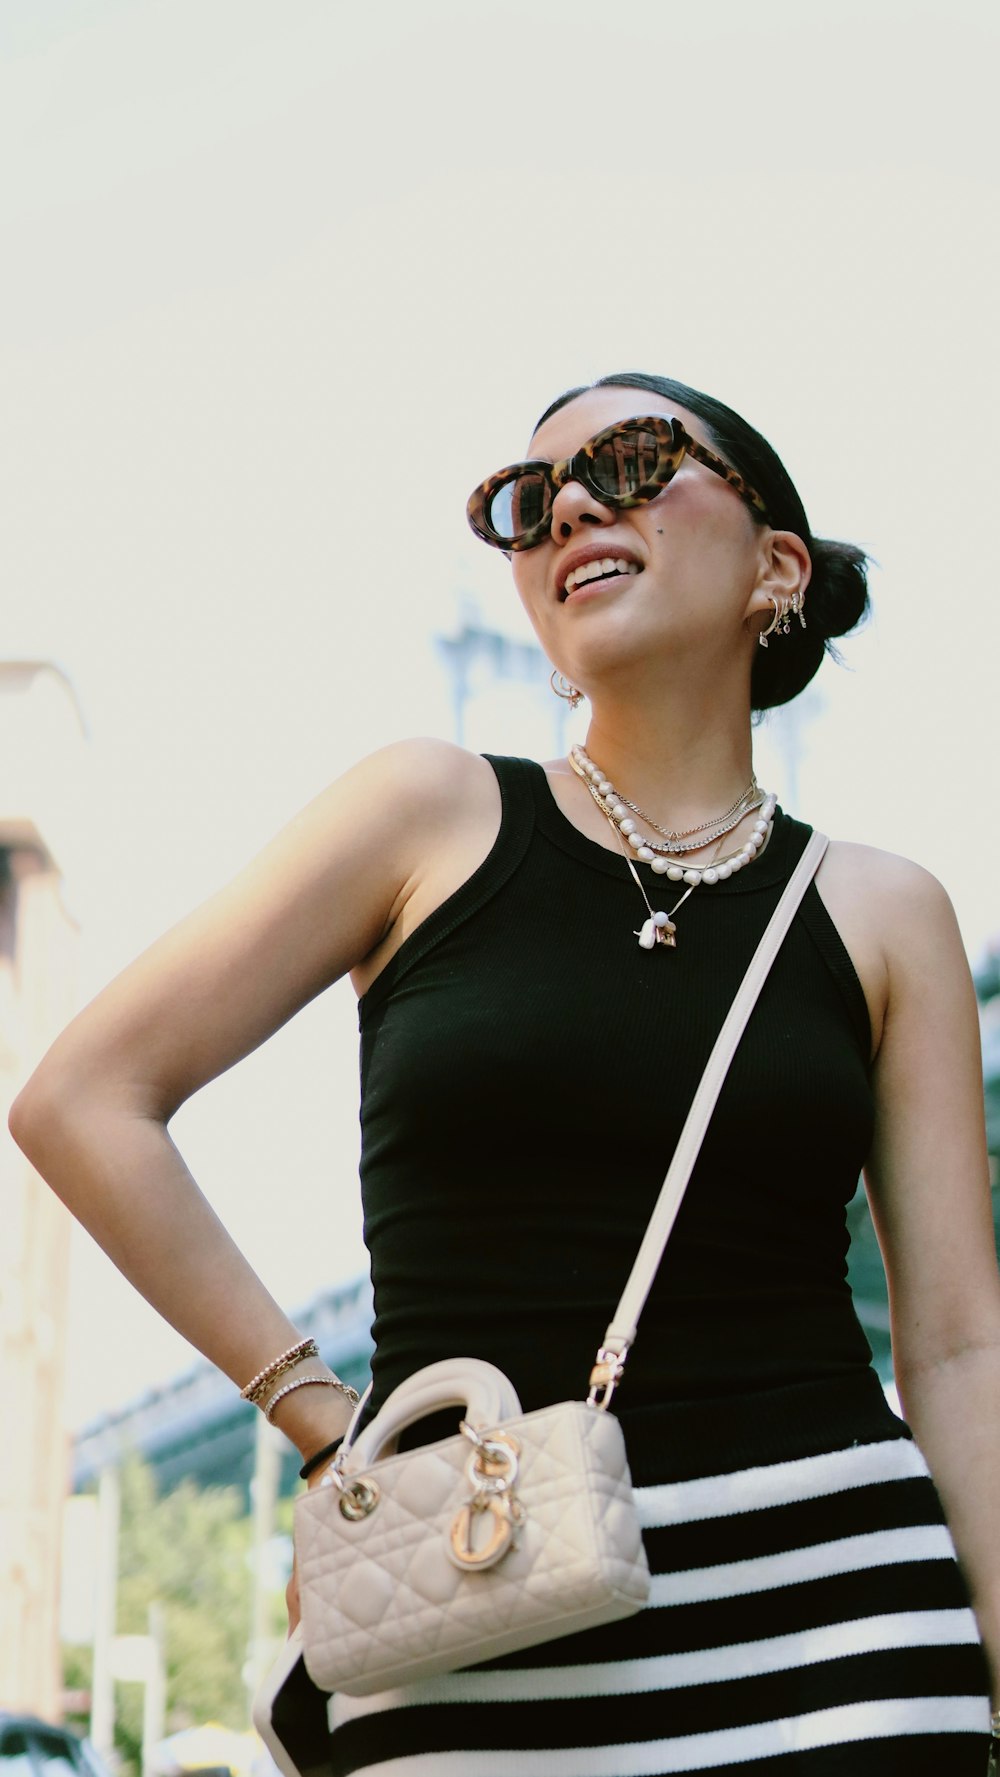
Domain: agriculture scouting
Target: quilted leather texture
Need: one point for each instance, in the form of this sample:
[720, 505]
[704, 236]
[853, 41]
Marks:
[382, 1602]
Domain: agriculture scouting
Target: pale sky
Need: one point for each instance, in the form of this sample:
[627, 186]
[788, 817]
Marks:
[281, 283]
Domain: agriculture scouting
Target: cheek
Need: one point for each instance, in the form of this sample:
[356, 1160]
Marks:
[528, 575]
[687, 523]
[686, 501]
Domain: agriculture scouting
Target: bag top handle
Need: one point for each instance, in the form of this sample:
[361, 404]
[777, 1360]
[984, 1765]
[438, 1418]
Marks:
[621, 1332]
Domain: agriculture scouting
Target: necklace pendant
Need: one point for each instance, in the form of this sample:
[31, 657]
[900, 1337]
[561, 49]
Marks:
[657, 929]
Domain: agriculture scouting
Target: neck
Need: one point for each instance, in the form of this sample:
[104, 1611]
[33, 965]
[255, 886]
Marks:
[683, 759]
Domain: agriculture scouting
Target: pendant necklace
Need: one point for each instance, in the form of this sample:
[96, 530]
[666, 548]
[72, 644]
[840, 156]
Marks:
[659, 927]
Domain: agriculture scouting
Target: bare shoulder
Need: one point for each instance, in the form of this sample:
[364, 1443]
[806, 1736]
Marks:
[895, 920]
[426, 760]
[413, 798]
[425, 775]
[334, 892]
[404, 806]
[443, 806]
[898, 889]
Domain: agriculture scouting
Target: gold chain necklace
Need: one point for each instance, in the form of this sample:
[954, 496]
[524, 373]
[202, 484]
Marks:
[672, 840]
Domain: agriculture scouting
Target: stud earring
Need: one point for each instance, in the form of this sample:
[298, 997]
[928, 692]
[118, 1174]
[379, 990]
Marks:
[565, 689]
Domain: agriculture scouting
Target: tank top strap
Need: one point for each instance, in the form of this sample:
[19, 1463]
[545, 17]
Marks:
[517, 822]
[816, 919]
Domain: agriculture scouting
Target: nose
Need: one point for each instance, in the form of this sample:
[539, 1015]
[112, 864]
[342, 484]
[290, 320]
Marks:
[575, 506]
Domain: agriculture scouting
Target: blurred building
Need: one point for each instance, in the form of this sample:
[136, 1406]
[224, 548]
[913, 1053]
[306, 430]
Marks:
[197, 1427]
[40, 740]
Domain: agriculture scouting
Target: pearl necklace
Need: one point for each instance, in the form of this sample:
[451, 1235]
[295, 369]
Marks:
[659, 928]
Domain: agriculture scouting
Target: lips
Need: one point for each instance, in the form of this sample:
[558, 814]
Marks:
[592, 564]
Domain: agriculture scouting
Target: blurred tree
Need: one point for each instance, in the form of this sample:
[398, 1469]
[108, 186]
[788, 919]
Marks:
[190, 1551]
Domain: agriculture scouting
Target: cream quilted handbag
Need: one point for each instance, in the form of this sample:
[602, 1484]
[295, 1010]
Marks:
[522, 1529]
[521, 1526]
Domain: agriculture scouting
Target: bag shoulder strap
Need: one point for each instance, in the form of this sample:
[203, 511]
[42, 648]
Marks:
[621, 1332]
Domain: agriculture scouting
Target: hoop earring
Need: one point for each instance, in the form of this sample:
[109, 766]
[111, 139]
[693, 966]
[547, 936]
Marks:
[773, 625]
[565, 689]
[781, 622]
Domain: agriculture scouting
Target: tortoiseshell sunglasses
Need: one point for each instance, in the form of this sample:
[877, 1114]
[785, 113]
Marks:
[627, 464]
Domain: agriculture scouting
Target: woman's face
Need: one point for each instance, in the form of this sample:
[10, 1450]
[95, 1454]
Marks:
[694, 556]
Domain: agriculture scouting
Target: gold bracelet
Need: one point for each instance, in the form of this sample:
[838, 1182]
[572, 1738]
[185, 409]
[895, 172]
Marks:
[306, 1382]
[278, 1367]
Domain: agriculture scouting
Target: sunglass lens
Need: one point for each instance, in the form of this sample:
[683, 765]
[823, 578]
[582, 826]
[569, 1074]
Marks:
[519, 505]
[625, 462]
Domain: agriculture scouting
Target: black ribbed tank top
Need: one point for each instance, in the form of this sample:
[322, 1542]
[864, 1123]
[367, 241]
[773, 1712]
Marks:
[526, 1069]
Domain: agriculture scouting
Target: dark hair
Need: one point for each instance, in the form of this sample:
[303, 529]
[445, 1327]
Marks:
[837, 598]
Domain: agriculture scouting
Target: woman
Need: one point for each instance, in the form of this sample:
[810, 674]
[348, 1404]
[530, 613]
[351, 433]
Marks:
[526, 1067]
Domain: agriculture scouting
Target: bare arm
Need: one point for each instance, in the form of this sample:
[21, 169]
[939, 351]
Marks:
[928, 1183]
[344, 882]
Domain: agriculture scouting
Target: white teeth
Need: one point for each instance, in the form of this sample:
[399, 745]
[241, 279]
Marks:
[591, 570]
[595, 570]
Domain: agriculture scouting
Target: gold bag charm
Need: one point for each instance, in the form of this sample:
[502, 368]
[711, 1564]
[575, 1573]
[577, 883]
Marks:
[492, 1470]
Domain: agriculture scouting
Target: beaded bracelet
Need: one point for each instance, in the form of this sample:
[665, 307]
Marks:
[278, 1367]
[349, 1393]
[315, 1462]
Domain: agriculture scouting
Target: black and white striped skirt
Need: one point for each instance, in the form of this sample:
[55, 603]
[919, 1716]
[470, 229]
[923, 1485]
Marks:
[807, 1619]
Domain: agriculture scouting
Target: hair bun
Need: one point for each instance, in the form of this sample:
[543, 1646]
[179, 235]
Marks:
[838, 592]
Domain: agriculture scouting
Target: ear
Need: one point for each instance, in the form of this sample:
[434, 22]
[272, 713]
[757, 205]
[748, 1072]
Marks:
[784, 569]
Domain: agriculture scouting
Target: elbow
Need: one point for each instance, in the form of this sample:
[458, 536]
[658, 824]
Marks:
[52, 1113]
[79, 1104]
[35, 1115]
[18, 1119]
[74, 1106]
[961, 1349]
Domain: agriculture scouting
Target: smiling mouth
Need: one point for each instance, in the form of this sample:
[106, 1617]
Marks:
[609, 568]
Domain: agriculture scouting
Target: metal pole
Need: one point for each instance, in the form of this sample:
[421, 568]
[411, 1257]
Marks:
[264, 1493]
[102, 1701]
[154, 1700]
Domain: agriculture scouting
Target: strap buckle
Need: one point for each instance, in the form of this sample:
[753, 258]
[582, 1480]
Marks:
[608, 1370]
